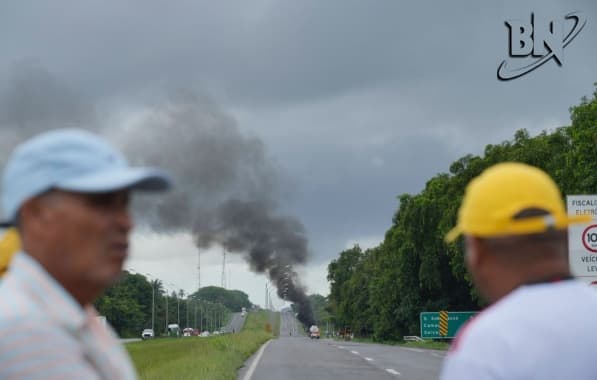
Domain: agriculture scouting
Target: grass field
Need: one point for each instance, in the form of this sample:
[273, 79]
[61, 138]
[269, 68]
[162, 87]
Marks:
[202, 358]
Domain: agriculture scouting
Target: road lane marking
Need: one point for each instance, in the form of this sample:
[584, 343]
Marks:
[393, 371]
[369, 359]
[255, 362]
[355, 352]
[438, 355]
[342, 347]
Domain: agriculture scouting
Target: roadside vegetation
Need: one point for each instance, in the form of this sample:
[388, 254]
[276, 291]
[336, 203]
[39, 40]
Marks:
[128, 306]
[379, 292]
[217, 357]
[426, 344]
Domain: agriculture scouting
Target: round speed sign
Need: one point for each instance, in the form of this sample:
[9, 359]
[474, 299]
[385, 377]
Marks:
[589, 238]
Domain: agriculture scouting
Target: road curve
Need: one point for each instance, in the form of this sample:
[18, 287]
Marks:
[237, 321]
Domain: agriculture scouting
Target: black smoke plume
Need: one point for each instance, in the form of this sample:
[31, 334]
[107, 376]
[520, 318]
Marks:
[273, 245]
[226, 190]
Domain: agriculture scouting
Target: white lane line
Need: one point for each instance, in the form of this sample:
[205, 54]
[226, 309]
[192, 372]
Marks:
[342, 347]
[393, 371]
[255, 362]
[355, 352]
[438, 355]
[369, 359]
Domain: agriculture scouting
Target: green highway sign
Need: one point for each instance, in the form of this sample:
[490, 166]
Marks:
[443, 324]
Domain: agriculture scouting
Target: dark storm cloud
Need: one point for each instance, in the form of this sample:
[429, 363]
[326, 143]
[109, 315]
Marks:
[33, 100]
[358, 101]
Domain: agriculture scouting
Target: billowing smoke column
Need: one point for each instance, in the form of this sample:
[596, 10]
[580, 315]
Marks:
[226, 190]
[273, 243]
[226, 187]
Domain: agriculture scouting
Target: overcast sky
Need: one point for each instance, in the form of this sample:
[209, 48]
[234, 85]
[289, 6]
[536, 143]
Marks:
[344, 105]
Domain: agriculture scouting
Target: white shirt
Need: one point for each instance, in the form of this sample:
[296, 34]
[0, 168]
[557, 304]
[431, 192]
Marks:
[46, 334]
[543, 331]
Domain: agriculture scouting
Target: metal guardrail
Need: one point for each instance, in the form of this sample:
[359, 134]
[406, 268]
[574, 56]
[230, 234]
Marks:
[412, 338]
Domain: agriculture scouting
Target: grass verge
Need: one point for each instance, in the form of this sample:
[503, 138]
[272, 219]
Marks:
[217, 357]
[427, 344]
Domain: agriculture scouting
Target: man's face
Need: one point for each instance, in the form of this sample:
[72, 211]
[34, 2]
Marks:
[89, 235]
[476, 266]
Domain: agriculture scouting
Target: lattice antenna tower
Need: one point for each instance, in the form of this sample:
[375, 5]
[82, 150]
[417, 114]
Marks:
[223, 268]
[198, 269]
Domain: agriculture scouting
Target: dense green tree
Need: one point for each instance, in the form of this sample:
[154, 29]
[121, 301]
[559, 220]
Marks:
[128, 304]
[381, 291]
[234, 300]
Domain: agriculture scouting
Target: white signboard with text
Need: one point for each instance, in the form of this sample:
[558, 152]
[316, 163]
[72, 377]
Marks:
[582, 239]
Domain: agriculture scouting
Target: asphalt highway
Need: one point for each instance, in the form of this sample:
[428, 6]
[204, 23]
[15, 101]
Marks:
[236, 323]
[295, 356]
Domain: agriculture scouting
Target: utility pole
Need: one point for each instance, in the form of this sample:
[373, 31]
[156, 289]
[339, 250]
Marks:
[188, 312]
[266, 295]
[153, 284]
[153, 307]
[198, 269]
[223, 279]
[166, 311]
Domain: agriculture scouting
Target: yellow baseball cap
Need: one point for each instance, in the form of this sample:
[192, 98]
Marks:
[492, 200]
[10, 243]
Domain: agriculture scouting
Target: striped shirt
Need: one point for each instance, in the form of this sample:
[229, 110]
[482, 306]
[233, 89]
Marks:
[46, 334]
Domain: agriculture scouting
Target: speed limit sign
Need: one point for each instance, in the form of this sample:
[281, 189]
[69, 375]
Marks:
[589, 238]
[582, 239]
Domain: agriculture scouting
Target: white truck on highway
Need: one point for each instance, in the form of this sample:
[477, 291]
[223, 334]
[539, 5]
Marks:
[314, 332]
[243, 311]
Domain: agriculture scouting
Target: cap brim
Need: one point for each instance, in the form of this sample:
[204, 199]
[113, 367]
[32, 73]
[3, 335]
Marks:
[6, 224]
[526, 226]
[578, 219]
[145, 179]
[453, 234]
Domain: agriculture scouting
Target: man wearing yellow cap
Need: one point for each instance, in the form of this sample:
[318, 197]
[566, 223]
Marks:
[543, 323]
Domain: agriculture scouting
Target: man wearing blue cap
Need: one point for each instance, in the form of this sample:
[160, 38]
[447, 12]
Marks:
[67, 192]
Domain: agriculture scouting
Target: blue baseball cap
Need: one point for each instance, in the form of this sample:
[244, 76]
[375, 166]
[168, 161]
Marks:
[72, 160]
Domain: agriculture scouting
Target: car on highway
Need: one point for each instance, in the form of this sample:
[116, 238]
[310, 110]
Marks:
[147, 334]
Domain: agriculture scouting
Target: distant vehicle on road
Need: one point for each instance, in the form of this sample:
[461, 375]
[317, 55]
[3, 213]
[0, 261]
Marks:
[204, 334]
[243, 312]
[187, 331]
[173, 329]
[147, 334]
[314, 332]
